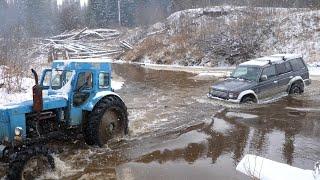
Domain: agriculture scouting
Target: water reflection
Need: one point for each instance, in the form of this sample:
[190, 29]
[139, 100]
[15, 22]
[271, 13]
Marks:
[268, 130]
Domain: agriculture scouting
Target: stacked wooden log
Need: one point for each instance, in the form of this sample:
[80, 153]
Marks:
[84, 43]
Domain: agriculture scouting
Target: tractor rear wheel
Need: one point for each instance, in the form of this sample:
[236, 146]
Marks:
[108, 119]
[30, 163]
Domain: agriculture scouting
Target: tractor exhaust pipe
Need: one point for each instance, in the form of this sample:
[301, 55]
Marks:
[37, 94]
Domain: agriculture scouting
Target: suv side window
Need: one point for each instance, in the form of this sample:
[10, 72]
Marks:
[269, 71]
[288, 66]
[283, 68]
[297, 64]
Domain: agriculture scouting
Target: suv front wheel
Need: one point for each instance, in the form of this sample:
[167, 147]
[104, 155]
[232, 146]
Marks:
[296, 88]
[248, 99]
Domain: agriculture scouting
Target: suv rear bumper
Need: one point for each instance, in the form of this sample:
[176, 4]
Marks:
[220, 99]
[307, 82]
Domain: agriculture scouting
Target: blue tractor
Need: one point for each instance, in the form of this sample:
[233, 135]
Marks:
[73, 97]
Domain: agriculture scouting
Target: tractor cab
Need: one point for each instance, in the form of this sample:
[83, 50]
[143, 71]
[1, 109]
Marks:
[80, 81]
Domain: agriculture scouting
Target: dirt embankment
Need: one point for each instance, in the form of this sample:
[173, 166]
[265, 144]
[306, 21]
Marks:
[219, 36]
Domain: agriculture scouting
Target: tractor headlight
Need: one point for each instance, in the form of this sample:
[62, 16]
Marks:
[18, 131]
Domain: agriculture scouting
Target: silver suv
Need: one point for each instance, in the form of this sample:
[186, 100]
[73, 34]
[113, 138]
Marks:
[262, 78]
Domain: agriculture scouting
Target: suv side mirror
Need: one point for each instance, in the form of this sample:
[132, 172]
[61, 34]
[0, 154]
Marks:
[264, 78]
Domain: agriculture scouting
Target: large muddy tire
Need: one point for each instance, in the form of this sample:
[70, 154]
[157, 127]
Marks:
[248, 100]
[296, 88]
[30, 163]
[108, 119]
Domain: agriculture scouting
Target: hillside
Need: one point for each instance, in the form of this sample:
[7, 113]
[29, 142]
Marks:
[219, 36]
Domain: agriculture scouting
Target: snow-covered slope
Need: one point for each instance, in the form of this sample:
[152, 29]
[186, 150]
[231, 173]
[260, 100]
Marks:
[192, 37]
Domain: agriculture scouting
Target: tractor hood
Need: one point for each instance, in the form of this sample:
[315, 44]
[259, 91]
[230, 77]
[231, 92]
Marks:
[49, 102]
[14, 115]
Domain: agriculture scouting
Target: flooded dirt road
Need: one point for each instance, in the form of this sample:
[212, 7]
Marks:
[177, 133]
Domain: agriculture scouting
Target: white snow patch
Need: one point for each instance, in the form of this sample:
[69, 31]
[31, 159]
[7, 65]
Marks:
[264, 169]
[116, 85]
[314, 70]
[255, 62]
[6, 98]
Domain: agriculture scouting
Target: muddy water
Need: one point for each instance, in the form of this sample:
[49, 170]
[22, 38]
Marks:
[177, 133]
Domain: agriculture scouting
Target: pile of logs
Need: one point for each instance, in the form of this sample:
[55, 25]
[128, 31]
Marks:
[84, 43]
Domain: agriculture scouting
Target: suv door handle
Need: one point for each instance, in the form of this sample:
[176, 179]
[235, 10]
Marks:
[275, 82]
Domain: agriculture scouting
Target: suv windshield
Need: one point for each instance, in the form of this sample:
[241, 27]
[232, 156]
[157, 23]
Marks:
[60, 78]
[246, 72]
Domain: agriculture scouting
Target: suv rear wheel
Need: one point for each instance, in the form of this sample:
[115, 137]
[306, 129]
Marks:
[296, 88]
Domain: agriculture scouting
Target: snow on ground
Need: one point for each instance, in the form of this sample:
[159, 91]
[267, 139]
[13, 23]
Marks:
[116, 85]
[293, 30]
[264, 169]
[6, 98]
[314, 69]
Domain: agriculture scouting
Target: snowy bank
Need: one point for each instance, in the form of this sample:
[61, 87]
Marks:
[264, 169]
[205, 36]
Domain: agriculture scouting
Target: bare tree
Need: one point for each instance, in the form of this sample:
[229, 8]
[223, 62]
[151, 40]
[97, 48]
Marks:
[13, 57]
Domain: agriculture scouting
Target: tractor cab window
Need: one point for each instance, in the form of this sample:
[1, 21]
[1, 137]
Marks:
[104, 80]
[83, 87]
[84, 81]
[59, 78]
[47, 79]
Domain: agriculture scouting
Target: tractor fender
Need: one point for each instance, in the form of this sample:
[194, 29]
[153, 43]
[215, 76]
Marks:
[293, 80]
[96, 98]
[247, 92]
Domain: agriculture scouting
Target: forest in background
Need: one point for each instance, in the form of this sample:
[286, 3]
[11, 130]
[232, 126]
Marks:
[45, 17]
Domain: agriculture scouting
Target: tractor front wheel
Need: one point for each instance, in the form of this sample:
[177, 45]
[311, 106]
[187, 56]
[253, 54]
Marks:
[108, 119]
[30, 163]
